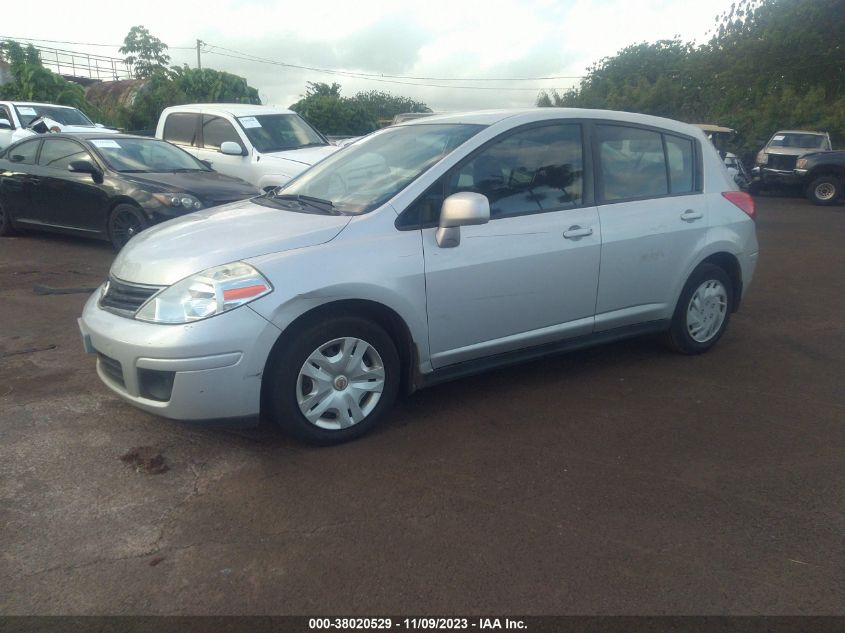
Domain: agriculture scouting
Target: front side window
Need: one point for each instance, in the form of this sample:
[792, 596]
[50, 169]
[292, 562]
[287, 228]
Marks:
[539, 169]
[24, 154]
[181, 128]
[632, 162]
[59, 153]
[279, 132]
[216, 131]
[140, 155]
[4, 114]
[363, 176]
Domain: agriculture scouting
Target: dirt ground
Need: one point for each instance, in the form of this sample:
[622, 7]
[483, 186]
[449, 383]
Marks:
[618, 480]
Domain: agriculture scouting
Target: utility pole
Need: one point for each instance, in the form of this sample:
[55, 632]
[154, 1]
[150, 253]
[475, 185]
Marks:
[199, 60]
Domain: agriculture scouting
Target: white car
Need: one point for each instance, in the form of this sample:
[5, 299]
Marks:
[18, 118]
[425, 252]
[263, 145]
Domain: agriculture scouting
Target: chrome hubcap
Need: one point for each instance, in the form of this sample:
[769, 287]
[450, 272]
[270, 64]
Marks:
[340, 383]
[825, 191]
[707, 309]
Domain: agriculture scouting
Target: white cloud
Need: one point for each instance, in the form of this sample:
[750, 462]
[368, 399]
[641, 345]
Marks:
[435, 38]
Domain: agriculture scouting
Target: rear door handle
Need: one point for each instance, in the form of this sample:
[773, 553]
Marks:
[691, 216]
[574, 232]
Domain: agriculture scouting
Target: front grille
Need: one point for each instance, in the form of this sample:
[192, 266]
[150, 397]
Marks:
[111, 368]
[781, 162]
[125, 299]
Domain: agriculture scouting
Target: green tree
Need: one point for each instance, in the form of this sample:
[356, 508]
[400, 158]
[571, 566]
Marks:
[145, 52]
[324, 108]
[32, 82]
[213, 86]
[384, 106]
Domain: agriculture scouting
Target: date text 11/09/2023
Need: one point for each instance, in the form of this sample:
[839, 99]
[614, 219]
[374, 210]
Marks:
[430, 624]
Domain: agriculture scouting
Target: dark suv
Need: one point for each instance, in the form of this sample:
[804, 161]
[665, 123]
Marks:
[775, 163]
[824, 174]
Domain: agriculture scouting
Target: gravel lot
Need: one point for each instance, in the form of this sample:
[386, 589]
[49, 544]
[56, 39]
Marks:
[618, 480]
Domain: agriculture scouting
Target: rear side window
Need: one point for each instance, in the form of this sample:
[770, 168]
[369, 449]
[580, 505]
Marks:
[24, 153]
[4, 114]
[181, 128]
[216, 131]
[633, 164]
[59, 153]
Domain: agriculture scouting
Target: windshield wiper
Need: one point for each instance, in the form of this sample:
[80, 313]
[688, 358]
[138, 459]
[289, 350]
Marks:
[185, 170]
[326, 206]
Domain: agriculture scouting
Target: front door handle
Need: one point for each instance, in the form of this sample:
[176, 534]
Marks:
[691, 216]
[574, 232]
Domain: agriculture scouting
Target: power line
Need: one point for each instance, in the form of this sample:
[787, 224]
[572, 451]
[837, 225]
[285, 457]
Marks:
[371, 77]
[33, 39]
[385, 75]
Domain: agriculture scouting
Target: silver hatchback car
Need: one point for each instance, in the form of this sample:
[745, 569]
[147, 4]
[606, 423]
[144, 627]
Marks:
[426, 252]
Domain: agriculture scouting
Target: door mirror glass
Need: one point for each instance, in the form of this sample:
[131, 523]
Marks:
[461, 209]
[5, 124]
[230, 148]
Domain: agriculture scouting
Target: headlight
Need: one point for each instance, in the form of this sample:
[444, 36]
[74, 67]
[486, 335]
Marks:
[206, 294]
[801, 164]
[762, 158]
[176, 200]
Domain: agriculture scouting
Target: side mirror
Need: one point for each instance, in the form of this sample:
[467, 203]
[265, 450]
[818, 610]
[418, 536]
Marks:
[461, 209]
[5, 124]
[230, 148]
[86, 167]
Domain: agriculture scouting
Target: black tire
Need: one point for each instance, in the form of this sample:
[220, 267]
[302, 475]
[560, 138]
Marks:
[754, 188]
[679, 337]
[283, 371]
[825, 190]
[125, 221]
[6, 228]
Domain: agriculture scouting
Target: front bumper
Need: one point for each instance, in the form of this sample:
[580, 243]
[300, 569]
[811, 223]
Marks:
[777, 176]
[206, 370]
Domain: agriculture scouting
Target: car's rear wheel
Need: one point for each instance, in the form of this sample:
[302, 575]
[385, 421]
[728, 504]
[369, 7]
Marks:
[703, 310]
[125, 222]
[5, 223]
[334, 381]
[825, 190]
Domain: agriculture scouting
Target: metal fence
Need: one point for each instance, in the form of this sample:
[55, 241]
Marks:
[83, 65]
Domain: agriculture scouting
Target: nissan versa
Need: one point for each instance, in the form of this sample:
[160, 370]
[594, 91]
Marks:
[425, 252]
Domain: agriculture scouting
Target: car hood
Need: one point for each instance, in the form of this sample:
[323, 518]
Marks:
[210, 187]
[306, 156]
[789, 151]
[176, 249]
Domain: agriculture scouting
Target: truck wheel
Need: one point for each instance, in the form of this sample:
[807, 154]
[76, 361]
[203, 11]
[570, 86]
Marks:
[825, 190]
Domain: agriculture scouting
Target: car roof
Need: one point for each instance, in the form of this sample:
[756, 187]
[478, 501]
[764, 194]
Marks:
[235, 109]
[800, 132]
[527, 115]
[89, 136]
[36, 103]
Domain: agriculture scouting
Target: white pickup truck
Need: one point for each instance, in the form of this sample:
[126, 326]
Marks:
[19, 119]
[263, 145]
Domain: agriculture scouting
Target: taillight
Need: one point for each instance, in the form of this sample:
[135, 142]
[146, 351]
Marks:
[743, 201]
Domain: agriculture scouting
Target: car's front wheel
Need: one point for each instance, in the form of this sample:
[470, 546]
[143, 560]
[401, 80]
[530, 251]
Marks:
[334, 381]
[703, 310]
[125, 222]
[825, 190]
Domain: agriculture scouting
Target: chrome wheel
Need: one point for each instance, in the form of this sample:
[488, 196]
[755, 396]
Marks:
[707, 310]
[340, 383]
[825, 191]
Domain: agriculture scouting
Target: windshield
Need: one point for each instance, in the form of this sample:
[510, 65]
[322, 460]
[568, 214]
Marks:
[363, 176]
[145, 155]
[815, 141]
[63, 116]
[279, 132]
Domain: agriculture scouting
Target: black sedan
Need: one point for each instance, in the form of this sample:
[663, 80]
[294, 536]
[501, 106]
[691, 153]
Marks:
[106, 186]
